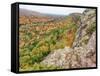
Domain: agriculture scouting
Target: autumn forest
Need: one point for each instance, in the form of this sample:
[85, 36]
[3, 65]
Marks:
[42, 34]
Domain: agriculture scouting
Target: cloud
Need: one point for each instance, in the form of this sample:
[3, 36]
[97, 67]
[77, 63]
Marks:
[52, 9]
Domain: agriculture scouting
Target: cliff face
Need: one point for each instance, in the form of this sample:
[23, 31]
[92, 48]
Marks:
[83, 51]
[86, 27]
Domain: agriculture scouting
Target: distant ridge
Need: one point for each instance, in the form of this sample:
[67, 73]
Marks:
[25, 12]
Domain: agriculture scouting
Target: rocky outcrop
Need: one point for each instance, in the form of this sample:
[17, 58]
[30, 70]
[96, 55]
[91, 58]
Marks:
[86, 28]
[79, 57]
[83, 52]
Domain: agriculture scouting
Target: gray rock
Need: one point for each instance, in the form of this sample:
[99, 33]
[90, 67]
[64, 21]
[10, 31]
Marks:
[88, 19]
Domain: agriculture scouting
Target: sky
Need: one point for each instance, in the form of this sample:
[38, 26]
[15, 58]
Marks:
[52, 10]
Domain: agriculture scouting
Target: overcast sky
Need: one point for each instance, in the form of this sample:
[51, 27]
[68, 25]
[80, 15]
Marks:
[52, 10]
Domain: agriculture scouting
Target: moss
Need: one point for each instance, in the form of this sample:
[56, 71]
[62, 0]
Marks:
[86, 41]
[91, 29]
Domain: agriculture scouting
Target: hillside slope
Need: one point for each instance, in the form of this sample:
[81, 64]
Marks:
[83, 51]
